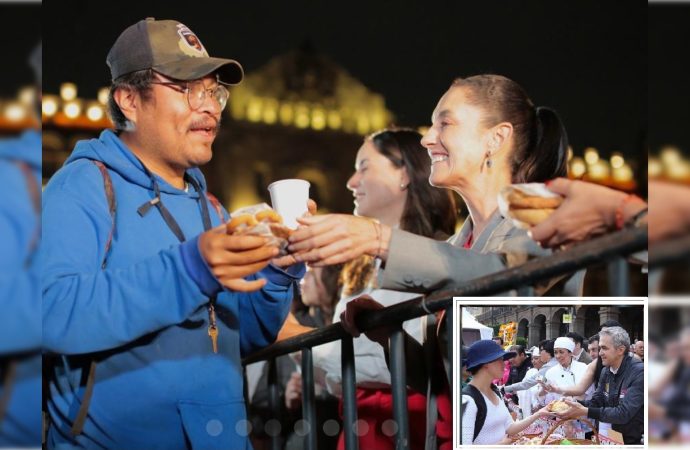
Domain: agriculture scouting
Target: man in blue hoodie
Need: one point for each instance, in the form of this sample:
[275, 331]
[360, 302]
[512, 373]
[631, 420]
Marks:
[147, 302]
[20, 294]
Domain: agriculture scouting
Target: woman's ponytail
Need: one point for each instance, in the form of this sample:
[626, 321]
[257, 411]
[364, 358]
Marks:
[547, 156]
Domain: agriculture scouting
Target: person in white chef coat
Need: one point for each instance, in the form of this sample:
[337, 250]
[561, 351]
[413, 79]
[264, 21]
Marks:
[567, 373]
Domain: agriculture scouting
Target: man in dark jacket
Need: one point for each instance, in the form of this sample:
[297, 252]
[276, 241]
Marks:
[519, 364]
[618, 403]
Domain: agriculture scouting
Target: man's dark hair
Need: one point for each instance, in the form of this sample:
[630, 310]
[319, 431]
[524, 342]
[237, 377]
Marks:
[496, 338]
[547, 346]
[139, 82]
[576, 337]
[610, 323]
[594, 338]
[519, 349]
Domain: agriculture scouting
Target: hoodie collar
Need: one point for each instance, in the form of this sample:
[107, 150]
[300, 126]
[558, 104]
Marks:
[114, 153]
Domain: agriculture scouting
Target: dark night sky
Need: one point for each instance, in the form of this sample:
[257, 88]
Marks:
[669, 84]
[587, 59]
[21, 26]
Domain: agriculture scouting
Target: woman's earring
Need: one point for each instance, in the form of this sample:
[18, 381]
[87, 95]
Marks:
[403, 186]
[489, 163]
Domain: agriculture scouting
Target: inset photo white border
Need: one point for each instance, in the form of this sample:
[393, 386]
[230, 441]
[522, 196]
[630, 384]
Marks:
[460, 302]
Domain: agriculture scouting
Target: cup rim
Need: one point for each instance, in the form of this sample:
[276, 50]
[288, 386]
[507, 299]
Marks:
[288, 180]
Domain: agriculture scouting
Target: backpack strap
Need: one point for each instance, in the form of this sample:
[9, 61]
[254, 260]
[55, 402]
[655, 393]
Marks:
[112, 206]
[32, 185]
[34, 190]
[481, 409]
[216, 205]
[80, 419]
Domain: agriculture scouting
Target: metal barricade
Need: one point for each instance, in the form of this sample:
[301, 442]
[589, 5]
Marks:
[612, 249]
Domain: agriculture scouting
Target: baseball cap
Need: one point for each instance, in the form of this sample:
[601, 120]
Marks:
[170, 48]
[485, 351]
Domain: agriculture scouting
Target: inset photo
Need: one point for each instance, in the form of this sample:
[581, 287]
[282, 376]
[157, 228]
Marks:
[556, 373]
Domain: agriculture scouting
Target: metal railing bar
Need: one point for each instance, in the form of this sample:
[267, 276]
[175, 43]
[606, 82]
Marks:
[399, 389]
[586, 254]
[618, 278]
[274, 401]
[349, 398]
[308, 400]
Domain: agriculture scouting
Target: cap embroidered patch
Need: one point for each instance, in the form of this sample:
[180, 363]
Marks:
[190, 40]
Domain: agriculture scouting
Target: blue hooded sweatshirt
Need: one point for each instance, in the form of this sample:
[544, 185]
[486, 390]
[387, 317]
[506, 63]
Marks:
[144, 317]
[20, 294]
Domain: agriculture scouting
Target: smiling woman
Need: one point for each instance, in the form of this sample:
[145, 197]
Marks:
[486, 133]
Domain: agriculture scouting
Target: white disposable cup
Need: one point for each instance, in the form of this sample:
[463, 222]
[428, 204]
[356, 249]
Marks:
[289, 199]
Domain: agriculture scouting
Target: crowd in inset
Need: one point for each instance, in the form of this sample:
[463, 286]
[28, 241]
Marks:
[575, 388]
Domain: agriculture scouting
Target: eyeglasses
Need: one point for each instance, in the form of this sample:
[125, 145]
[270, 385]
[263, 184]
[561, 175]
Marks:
[196, 92]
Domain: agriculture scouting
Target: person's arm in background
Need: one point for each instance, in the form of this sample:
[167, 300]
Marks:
[416, 374]
[588, 210]
[526, 383]
[516, 427]
[669, 213]
[599, 397]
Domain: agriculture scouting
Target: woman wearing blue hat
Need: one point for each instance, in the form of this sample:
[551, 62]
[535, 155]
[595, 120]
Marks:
[485, 417]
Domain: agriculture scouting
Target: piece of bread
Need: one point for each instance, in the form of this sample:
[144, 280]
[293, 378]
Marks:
[268, 215]
[558, 406]
[519, 200]
[240, 223]
[266, 222]
[531, 216]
